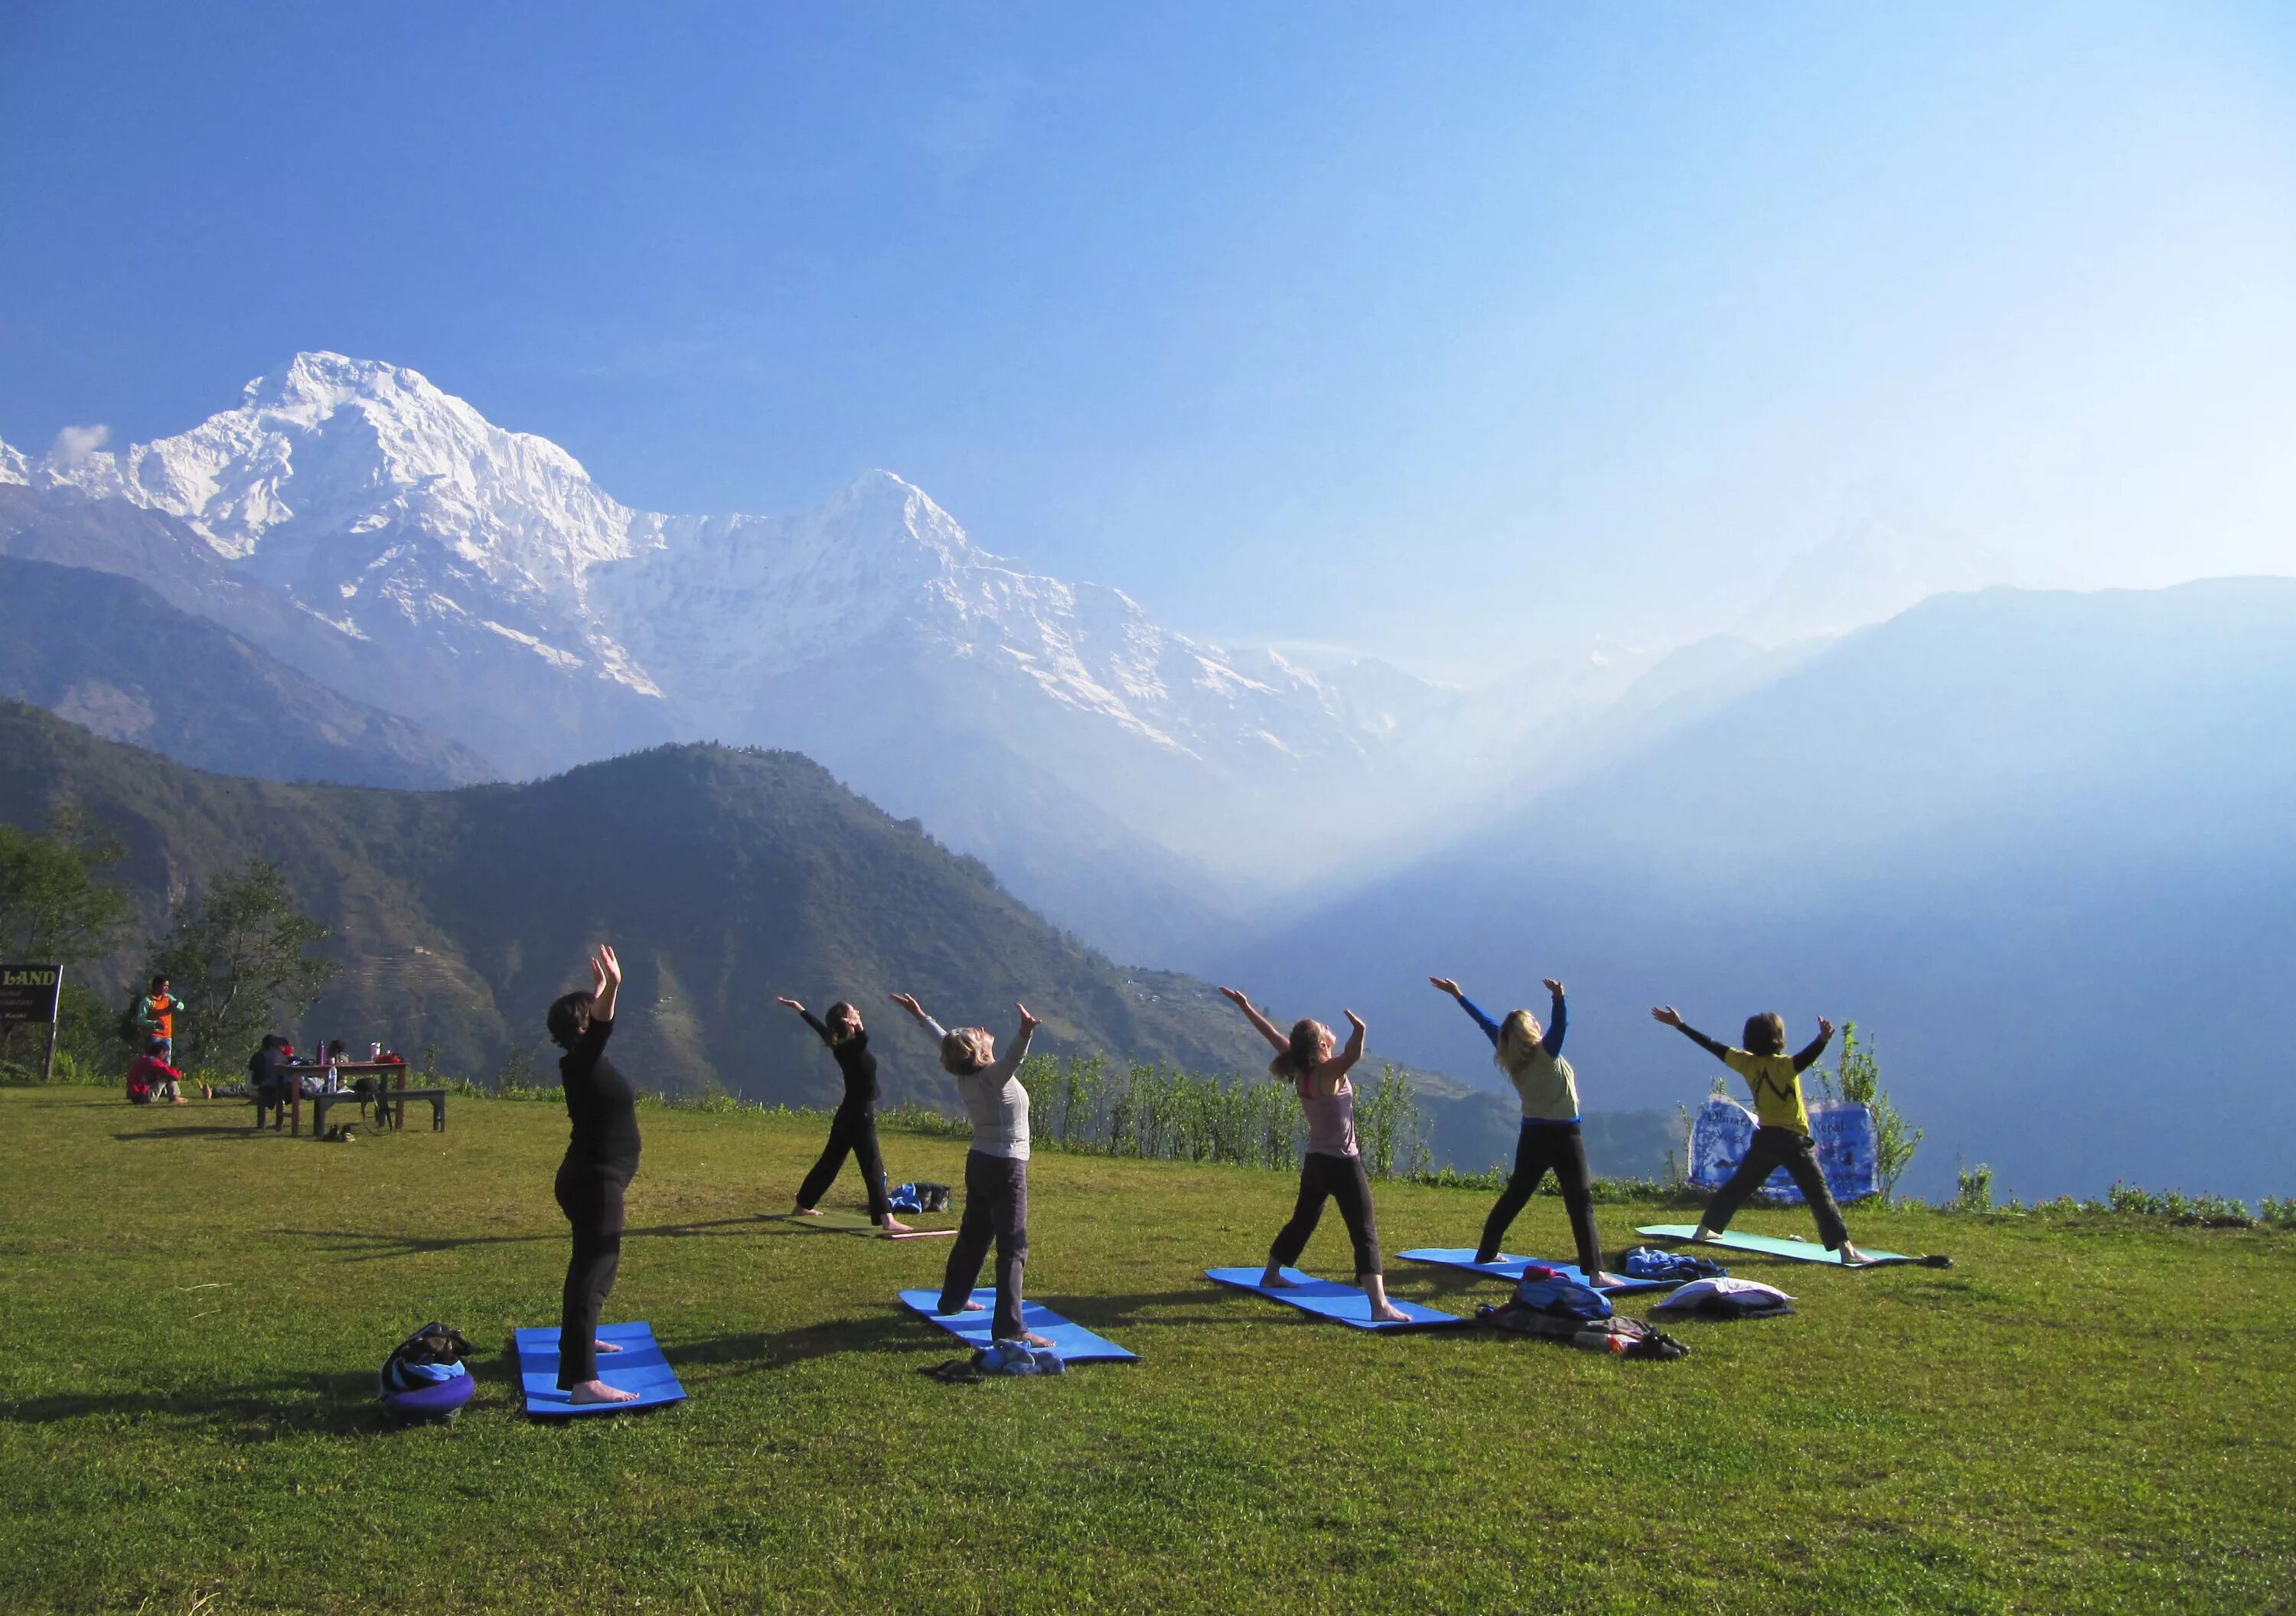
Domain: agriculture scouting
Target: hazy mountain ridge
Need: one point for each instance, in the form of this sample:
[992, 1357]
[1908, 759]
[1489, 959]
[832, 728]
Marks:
[2035, 843]
[114, 656]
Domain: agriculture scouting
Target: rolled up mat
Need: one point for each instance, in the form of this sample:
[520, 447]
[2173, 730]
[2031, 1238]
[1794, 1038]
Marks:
[1463, 1258]
[1329, 1299]
[639, 1367]
[1074, 1342]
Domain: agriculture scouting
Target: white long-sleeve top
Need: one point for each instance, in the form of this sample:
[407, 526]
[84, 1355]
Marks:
[995, 1099]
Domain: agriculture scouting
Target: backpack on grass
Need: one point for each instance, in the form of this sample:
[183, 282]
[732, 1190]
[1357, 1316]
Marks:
[424, 1377]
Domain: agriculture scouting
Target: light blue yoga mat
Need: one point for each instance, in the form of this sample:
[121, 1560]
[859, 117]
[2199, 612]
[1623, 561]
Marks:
[1329, 1299]
[639, 1367]
[1463, 1258]
[1800, 1251]
[1074, 1342]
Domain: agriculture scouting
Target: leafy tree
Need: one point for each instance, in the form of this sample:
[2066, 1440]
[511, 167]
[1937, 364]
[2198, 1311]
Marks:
[237, 953]
[53, 907]
[1857, 1076]
[56, 909]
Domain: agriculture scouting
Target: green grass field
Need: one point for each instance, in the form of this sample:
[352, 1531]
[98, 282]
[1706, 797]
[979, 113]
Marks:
[2084, 1415]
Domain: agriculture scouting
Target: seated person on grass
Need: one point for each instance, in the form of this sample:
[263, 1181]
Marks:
[155, 1076]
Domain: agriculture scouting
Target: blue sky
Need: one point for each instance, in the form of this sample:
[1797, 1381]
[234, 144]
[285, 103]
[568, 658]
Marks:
[1456, 333]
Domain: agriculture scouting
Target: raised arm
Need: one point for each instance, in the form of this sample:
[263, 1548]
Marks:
[1235, 996]
[1341, 1064]
[807, 1016]
[605, 983]
[1019, 1051]
[1665, 1016]
[908, 1001]
[1815, 1046]
[1558, 1016]
[1475, 1011]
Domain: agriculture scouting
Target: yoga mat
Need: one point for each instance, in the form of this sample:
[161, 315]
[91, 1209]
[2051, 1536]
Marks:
[1074, 1342]
[639, 1367]
[855, 1223]
[1800, 1251]
[1329, 1299]
[1463, 1258]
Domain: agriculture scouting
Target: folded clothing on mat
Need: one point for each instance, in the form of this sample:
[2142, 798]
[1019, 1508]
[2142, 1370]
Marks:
[1649, 1262]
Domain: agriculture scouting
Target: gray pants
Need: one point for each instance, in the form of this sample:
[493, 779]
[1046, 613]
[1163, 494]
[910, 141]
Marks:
[996, 1206]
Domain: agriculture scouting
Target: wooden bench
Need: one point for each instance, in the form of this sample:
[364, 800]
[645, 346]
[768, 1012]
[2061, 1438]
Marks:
[321, 1104]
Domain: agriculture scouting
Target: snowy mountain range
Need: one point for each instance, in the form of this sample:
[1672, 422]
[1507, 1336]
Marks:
[478, 581]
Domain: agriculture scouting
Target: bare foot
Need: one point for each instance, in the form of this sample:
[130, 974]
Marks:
[1032, 1339]
[894, 1225]
[180, 1100]
[1851, 1257]
[976, 1307]
[1704, 1236]
[606, 1346]
[599, 1391]
[806, 1211]
[1387, 1312]
[1607, 1281]
[1273, 1280]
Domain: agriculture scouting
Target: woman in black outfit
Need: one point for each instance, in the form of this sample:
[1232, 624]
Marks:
[602, 1158]
[854, 1127]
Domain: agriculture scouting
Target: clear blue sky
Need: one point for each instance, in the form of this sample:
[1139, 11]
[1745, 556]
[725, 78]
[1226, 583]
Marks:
[1447, 331]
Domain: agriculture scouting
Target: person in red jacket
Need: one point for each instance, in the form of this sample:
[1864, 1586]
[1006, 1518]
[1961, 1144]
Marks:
[155, 1076]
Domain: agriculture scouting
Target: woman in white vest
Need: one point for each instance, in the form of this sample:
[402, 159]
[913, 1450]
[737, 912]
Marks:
[996, 1168]
[1551, 1136]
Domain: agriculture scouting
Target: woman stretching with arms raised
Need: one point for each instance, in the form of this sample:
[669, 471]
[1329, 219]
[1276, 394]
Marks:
[996, 1168]
[1552, 1136]
[854, 1127]
[1333, 1167]
[602, 1158]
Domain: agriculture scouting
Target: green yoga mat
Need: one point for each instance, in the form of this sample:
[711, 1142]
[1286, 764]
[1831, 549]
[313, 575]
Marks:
[1800, 1251]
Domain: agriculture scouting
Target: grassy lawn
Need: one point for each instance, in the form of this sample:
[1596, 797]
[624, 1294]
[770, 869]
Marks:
[2082, 1415]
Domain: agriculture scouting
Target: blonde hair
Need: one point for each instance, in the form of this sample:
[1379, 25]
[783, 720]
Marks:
[1518, 1037]
[966, 1051]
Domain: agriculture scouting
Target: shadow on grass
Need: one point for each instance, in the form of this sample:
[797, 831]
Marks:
[198, 1130]
[259, 1412]
[356, 1245]
[901, 1334]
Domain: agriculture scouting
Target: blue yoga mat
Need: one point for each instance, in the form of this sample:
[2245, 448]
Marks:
[1800, 1251]
[1074, 1342]
[1463, 1258]
[639, 1367]
[1329, 1299]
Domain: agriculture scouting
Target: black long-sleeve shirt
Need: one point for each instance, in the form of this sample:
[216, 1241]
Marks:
[602, 1105]
[853, 1059]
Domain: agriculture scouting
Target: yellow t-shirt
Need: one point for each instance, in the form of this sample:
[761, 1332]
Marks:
[1776, 1086]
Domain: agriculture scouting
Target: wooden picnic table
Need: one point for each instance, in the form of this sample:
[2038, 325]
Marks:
[348, 1070]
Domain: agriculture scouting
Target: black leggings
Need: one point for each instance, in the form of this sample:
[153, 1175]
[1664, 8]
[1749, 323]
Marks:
[995, 1205]
[1340, 1178]
[854, 1129]
[592, 1203]
[1774, 1147]
[1541, 1146]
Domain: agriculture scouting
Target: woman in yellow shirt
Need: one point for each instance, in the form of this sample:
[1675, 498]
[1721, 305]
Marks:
[1782, 1138]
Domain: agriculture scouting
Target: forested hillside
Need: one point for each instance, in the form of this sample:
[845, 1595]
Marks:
[725, 876]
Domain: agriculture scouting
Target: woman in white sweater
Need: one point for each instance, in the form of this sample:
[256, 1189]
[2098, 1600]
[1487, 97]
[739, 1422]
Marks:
[996, 1168]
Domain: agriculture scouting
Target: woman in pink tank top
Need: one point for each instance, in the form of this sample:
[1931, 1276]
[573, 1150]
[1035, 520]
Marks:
[1332, 1168]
